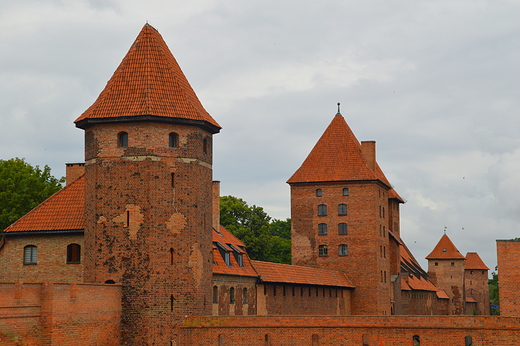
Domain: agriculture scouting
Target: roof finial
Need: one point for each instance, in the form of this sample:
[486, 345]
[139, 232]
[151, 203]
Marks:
[445, 228]
[339, 113]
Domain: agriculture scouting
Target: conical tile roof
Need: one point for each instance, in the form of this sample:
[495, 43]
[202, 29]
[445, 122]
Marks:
[148, 85]
[336, 156]
[445, 249]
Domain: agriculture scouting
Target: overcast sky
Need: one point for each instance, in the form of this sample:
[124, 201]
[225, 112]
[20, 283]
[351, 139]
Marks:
[435, 83]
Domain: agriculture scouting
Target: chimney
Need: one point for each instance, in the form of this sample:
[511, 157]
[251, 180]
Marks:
[73, 171]
[368, 149]
[216, 205]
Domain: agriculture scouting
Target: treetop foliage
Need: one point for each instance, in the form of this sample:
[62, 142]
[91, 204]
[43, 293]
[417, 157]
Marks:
[266, 239]
[23, 187]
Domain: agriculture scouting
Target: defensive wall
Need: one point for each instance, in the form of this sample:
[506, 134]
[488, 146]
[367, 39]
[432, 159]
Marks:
[59, 314]
[350, 330]
[508, 260]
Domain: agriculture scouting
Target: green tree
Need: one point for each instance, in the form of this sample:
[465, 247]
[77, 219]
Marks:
[265, 239]
[493, 291]
[23, 187]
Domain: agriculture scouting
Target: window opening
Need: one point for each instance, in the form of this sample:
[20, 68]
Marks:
[365, 340]
[322, 210]
[319, 193]
[468, 341]
[73, 253]
[342, 228]
[342, 209]
[171, 256]
[205, 145]
[322, 229]
[171, 302]
[323, 250]
[244, 296]
[343, 250]
[173, 140]
[315, 340]
[122, 139]
[416, 340]
[345, 191]
[30, 254]
[173, 180]
[232, 295]
[215, 295]
[267, 340]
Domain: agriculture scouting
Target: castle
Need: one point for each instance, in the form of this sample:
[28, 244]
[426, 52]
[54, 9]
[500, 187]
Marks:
[131, 250]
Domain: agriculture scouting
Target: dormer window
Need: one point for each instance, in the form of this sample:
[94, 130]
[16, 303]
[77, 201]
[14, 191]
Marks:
[239, 257]
[444, 250]
[122, 139]
[224, 252]
[173, 140]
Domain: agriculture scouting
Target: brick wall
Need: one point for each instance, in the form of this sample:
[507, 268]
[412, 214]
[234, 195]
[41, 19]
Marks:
[52, 259]
[59, 314]
[448, 275]
[241, 302]
[368, 264]
[508, 260]
[350, 330]
[476, 281]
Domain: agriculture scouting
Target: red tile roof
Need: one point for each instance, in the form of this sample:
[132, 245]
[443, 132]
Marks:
[420, 283]
[442, 295]
[470, 300]
[63, 211]
[445, 249]
[285, 273]
[148, 82]
[473, 261]
[336, 157]
[226, 239]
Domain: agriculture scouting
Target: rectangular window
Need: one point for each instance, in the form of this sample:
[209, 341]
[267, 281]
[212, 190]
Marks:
[227, 259]
[30, 254]
[322, 229]
[322, 210]
[323, 250]
[342, 209]
[342, 228]
[343, 250]
[345, 191]
[319, 193]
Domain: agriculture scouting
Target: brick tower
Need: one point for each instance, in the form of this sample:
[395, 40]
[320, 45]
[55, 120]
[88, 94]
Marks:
[343, 210]
[446, 271]
[148, 212]
[476, 281]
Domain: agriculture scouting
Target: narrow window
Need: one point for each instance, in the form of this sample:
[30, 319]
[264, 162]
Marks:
[384, 251]
[205, 145]
[468, 341]
[345, 191]
[244, 296]
[365, 340]
[173, 140]
[128, 218]
[171, 302]
[30, 254]
[342, 228]
[267, 339]
[383, 212]
[436, 264]
[452, 264]
[215, 295]
[173, 180]
[73, 253]
[322, 210]
[342, 209]
[232, 295]
[384, 276]
[227, 259]
[240, 260]
[343, 250]
[122, 139]
[323, 250]
[221, 340]
[322, 229]
[171, 256]
[416, 340]
[319, 193]
[315, 340]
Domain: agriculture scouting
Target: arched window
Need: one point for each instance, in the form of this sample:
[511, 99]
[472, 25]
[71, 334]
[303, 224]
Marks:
[342, 209]
[173, 140]
[416, 340]
[342, 228]
[73, 253]
[244, 296]
[343, 250]
[322, 210]
[215, 295]
[322, 229]
[30, 254]
[122, 139]
[232, 295]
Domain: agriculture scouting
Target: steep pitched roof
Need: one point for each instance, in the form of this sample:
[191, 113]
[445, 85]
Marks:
[225, 239]
[336, 156]
[409, 264]
[285, 273]
[473, 261]
[63, 211]
[445, 249]
[148, 85]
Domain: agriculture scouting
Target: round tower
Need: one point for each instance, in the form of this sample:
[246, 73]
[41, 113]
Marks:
[148, 211]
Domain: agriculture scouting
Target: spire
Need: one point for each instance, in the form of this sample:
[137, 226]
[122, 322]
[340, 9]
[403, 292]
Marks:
[148, 85]
[337, 156]
[339, 112]
[445, 249]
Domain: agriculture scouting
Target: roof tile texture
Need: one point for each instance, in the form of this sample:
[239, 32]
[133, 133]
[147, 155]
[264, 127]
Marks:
[226, 238]
[148, 82]
[445, 249]
[285, 273]
[473, 261]
[62, 211]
